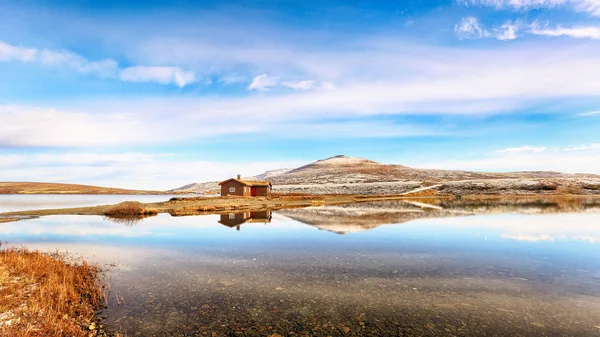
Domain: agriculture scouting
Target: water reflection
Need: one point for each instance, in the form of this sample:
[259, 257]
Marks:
[420, 268]
[237, 219]
[22, 202]
[344, 219]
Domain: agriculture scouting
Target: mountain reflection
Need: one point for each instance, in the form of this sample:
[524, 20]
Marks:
[343, 219]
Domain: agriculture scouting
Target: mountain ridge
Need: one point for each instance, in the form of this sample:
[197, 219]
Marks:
[341, 170]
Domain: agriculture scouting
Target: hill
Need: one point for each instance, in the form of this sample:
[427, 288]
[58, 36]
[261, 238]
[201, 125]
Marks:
[55, 188]
[349, 175]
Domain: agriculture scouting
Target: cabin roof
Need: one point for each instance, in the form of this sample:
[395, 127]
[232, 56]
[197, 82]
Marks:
[248, 182]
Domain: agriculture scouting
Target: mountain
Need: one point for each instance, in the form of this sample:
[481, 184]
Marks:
[350, 175]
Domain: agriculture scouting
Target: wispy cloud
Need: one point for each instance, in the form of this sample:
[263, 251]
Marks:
[572, 159]
[581, 147]
[471, 28]
[508, 31]
[574, 32]
[58, 58]
[522, 149]
[107, 68]
[143, 123]
[300, 85]
[589, 114]
[263, 82]
[478, 82]
[17, 53]
[128, 169]
[163, 75]
[589, 6]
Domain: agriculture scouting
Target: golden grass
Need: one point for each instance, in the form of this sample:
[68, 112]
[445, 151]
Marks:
[43, 295]
[54, 188]
[130, 209]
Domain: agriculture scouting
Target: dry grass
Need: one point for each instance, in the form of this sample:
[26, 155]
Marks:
[52, 188]
[42, 295]
[592, 187]
[131, 210]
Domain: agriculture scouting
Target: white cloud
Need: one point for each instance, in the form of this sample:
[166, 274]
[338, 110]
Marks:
[590, 6]
[569, 159]
[574, 32]
[127, 170]
[469, 28]
[162, 75]
[508, 31]
[113, 124]
[263, 82]
[104, 68]
[15, 53]
[60, 58]
[581, 147]
[530, 238]
[588, 114]
[300, 85]
[416, 80]
[523, 149]
[107, 68]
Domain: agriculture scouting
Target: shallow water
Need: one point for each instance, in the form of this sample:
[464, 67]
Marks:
[25, 202]
[375, 269]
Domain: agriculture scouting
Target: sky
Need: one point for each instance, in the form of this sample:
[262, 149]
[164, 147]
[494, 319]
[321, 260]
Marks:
[156, 94]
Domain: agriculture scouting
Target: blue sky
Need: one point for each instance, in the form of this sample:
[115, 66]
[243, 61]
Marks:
[157, 94]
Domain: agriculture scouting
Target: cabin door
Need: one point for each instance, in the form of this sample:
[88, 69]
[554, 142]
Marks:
[253, 191]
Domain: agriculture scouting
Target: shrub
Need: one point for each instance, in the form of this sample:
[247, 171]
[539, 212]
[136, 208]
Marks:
[130, 209]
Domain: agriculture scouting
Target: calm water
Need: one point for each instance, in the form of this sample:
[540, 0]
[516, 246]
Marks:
[378, 269]
[11, 203]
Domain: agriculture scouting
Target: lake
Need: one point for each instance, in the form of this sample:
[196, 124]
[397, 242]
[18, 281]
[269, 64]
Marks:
[433, 268]
[25, 202]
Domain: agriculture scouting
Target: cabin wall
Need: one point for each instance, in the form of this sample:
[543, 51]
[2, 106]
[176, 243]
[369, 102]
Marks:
[240, 189]
[263, 191]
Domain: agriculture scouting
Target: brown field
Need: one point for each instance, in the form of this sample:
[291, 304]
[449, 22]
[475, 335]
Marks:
[43, 295]
[53, 188]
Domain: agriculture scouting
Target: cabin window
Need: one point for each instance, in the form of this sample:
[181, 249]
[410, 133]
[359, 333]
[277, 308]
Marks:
[232, 189]
[231, 216]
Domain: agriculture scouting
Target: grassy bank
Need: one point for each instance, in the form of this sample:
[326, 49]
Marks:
[43, 295]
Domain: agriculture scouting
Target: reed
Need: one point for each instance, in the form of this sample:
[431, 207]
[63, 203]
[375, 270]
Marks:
[44, 295]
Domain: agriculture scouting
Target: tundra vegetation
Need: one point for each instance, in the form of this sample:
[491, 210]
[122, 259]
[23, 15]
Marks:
[46, 295]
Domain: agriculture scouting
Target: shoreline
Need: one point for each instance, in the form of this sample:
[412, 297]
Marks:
[218, 205]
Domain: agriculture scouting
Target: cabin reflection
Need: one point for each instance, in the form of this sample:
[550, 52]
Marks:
[237, 219]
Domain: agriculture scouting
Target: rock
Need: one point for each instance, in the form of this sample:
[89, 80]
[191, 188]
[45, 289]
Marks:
[226, 283]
